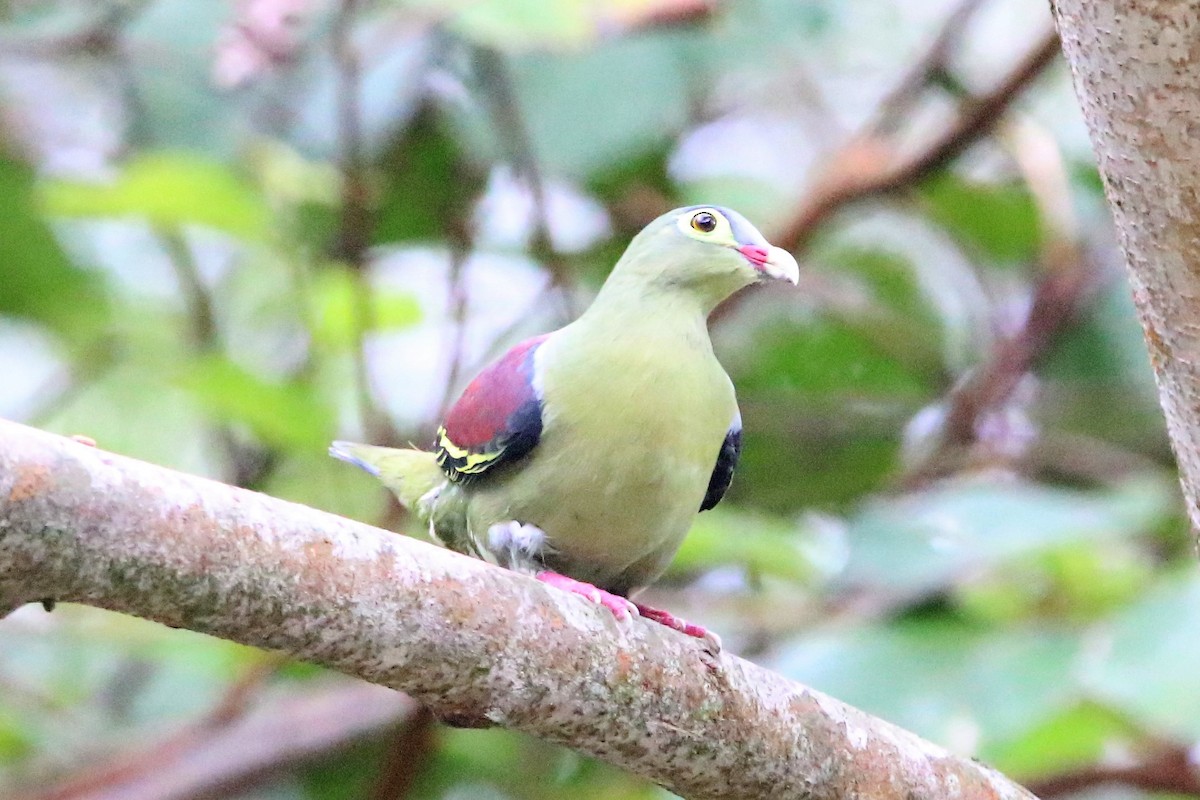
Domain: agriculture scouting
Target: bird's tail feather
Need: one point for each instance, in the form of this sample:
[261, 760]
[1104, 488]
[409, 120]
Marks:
[409, 474]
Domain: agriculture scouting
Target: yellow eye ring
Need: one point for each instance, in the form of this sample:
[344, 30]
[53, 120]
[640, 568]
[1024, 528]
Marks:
[704, 221]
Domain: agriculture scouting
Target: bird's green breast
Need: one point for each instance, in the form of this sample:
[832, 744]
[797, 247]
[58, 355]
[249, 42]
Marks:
[633, 419]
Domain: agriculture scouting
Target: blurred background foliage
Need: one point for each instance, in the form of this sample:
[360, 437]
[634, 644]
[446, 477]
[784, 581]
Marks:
[230, 232]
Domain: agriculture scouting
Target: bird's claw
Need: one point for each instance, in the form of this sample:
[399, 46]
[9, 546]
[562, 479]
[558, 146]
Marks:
[624, 609]
[620, 607]
[710, 641]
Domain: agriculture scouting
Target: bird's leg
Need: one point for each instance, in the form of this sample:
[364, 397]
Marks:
[712, 642]
[620, 607]
[522, 547]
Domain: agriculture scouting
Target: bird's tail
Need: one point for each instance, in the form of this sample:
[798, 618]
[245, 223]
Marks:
[409, 474]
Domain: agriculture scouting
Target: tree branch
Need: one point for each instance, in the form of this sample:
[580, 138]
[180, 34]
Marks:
[477, 644]
[214, 758]
[857, 171]
[1173, 771]
[1067, 274]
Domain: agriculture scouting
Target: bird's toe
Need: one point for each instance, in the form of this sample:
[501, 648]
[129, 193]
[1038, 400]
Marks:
[621, 608]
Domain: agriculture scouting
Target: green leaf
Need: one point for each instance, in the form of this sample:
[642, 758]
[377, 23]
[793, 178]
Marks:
[287, 177]
[895, 315]
[100, 676]
[516, 25]
[1075, 738]
[1106, 344]
[823, 358]
[956, 685]
[132, 409]
[167, 189]
[286, 415]
[889, 277]
[922, 542]
[337, 308]
[646, 170]
[763, 545]
[16, 742]
[315, 479]
[1000, 220]
[825, 461]
[582, 117]
[429, 184]
[39, 281]
[349, 776]
[521, 24]
[1144, 662]
[1079, 581]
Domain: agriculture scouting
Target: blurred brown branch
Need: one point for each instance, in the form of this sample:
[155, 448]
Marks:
[666, 13]
[237, 747]
[1171, 771]
[868, 165]
[409, 750]
[505, 109]
[477, 644]
[928, 69]
[248, 464]
[353, 237]
[1066, 276]
[97, 35]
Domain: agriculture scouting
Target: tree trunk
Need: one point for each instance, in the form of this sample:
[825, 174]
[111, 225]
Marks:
[1136, 67]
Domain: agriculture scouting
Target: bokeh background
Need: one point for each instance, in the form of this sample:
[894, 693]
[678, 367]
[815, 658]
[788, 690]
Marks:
[230, 232]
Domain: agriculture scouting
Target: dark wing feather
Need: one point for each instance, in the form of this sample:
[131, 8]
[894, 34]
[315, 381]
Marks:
[497, 420]
[727, 459]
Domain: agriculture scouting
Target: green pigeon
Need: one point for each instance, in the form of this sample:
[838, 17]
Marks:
[582, 456]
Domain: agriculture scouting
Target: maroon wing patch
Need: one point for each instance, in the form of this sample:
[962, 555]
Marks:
[497, 419]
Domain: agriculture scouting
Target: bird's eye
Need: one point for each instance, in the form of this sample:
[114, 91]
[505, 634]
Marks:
[704, 222]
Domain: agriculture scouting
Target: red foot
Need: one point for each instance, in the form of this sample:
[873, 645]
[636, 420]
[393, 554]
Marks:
[87, 441]
[621, 608]
[711, 641]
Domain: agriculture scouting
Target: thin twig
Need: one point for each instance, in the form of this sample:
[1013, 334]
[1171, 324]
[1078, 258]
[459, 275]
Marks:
[668, 14]
[513, 132]
[248, 464]
[241, 693]
[1067, 274]
[458, 302]
[1054, 301]
[867, 167]
[408, 752]
[357, 215]
[357, 219]
[894, 109]
[202, 319]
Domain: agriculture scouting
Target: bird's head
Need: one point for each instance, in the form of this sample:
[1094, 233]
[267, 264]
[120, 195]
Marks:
[706, 251]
